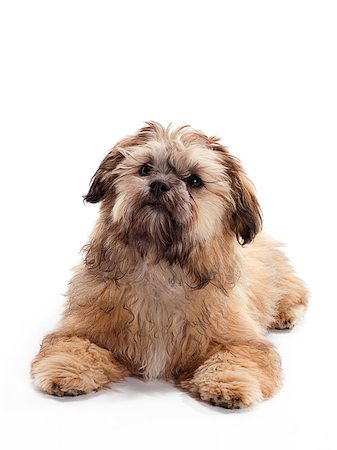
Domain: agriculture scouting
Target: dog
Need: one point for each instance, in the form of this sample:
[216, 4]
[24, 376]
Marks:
[177, 281]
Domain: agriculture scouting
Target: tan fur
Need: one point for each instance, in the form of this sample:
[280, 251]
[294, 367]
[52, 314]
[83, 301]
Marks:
[165, 289]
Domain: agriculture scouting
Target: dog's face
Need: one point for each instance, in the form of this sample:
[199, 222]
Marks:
[167, 192]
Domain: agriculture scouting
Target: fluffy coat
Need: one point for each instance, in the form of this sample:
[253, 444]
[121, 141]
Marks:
[177, 281]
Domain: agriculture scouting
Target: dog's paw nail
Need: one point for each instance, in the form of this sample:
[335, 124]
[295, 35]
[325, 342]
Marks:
[224, 405]
[73, 393]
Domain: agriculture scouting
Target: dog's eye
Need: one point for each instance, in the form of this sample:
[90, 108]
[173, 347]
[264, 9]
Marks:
[194, 181]
[145, 170]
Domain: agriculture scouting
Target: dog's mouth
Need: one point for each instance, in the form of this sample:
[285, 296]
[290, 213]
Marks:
[157, 227]
[156, 206]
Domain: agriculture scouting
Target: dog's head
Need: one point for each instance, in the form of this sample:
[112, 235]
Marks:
[167, 192]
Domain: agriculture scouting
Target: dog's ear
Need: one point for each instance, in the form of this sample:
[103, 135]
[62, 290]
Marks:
[246, 218]
[102, 180]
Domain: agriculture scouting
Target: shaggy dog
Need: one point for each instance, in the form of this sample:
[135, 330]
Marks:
[177, 280]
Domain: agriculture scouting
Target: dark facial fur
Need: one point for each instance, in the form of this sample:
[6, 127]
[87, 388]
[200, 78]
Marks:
[150, 204]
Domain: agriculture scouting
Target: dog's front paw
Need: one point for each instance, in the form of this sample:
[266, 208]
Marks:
[71, 365]
[65, 375]
[230, 390]
[59, 390]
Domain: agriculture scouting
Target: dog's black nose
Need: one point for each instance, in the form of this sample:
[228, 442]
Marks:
[159, 187]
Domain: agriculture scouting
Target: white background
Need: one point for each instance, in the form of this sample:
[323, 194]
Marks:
[76, 76]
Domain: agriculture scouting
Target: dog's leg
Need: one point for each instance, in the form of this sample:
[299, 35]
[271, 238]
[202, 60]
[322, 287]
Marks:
[292, 304]
[71, 365]
[238, 375]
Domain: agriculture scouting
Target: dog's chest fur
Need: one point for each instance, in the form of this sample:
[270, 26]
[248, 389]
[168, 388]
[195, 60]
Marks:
[158, 324]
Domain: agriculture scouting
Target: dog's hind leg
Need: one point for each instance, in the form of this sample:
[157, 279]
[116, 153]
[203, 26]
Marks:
[292, 303]
[71, 365]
